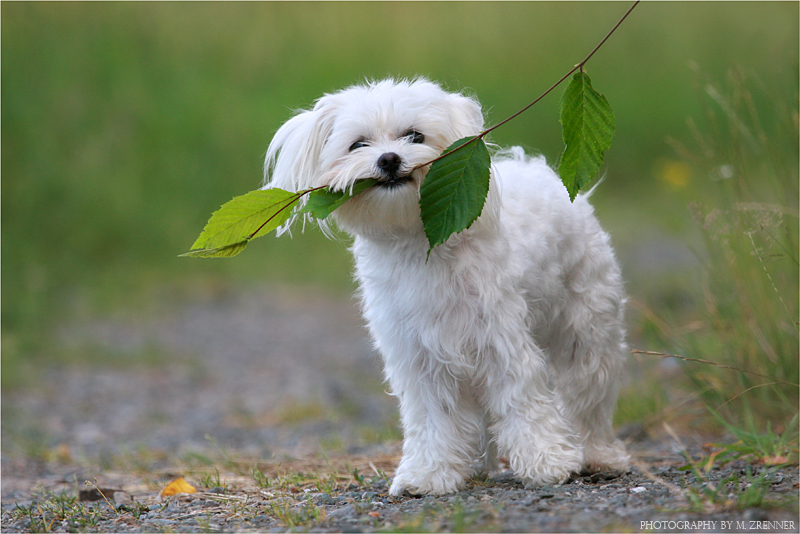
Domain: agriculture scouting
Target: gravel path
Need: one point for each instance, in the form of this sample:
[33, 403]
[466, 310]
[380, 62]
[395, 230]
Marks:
[240, 392]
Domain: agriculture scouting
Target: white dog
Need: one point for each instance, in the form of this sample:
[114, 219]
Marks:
[509, 340]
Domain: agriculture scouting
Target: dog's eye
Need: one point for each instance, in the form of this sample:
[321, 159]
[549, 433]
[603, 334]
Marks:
[415, 136]
[358, 144]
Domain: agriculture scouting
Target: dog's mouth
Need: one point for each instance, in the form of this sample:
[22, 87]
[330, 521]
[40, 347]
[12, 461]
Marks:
[394, 181]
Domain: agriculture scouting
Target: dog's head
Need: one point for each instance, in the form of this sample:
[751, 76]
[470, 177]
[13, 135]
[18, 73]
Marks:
[380, 130]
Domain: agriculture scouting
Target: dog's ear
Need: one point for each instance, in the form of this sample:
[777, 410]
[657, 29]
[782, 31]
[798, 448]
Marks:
[293, 157]
[466, 117]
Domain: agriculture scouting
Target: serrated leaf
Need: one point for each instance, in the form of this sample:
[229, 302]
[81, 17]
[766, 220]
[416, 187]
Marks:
[227, 251]
[454, 191]
[587, 123]
[243, 218]
[323, 202]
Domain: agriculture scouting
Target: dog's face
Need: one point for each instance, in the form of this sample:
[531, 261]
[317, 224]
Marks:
[381, 130]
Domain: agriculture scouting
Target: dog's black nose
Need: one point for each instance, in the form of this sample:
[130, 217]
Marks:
[389, 163]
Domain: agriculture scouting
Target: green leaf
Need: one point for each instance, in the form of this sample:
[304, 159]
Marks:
[227, 251]
[587, 124]
[241, 219]
[322, 202]
[454, 191]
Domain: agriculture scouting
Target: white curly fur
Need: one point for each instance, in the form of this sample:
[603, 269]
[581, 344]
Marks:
[509, 340]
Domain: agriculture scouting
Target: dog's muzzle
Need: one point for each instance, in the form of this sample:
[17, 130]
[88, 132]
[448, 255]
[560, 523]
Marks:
[389, 165]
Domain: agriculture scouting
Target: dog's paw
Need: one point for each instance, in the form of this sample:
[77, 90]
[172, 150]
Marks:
[438, 482]
[552, 466]
[606, 457]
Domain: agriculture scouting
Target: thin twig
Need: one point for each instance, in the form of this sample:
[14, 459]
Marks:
[743, 392]
[567, 75]
[698, 360]
[294, 198]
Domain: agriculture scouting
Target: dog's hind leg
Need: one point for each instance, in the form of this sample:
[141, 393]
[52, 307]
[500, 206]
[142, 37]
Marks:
[588, 353]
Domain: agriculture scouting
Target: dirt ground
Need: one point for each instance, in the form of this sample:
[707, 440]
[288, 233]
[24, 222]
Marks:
[271, 405]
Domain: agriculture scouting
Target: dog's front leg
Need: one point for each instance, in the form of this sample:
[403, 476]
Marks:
[442, 433]
[530, 430]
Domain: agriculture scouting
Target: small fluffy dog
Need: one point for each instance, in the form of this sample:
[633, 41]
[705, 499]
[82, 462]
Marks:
[509, 339]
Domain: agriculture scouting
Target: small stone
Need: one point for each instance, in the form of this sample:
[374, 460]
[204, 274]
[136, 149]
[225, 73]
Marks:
[755, 514]
[327, 499]
[121, 498]
[505, 476]
[341, 512]
[529, 501]
[162, 522]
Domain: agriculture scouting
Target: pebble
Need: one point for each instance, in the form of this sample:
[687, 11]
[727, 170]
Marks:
[326, 499]
[620, 505]
[162, 522]
[341, 512]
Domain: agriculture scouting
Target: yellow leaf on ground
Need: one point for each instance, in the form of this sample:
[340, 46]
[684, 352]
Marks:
[179, 485]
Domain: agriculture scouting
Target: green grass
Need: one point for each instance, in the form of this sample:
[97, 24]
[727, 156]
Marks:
[767, 448]
[742, 489]
[745, 314]
[732, 492]
[50, 511]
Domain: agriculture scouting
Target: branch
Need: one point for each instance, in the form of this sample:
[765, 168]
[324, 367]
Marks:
[291, 200]
[567, 75]
[715, 364]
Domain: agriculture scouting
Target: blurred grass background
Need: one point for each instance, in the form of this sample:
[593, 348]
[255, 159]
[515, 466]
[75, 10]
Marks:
[124, 125]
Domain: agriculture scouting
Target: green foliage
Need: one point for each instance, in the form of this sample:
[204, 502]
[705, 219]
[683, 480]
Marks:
[745, 206]
[731, 492]
[323, 202]
[261, 480]
[50, 512]
[213, 480]
[456, 185]
[454, 190]
[588, 126]
[257, 213]
[707, 491]
[767, 448]
[241, 219]
[451, 196]
[307, 514]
